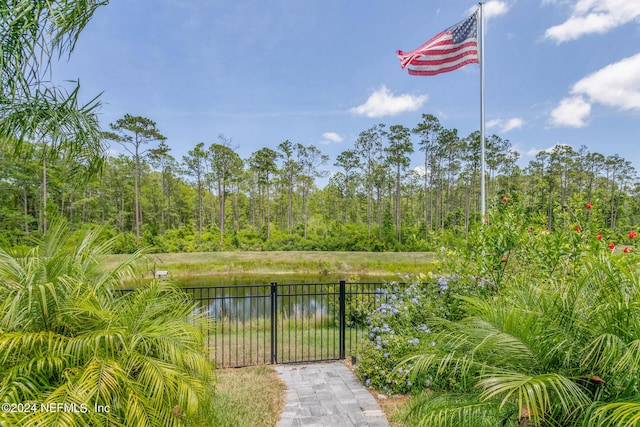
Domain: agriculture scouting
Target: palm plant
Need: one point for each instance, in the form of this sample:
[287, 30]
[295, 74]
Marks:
[560, 348]
[32, 33]
[68, 336]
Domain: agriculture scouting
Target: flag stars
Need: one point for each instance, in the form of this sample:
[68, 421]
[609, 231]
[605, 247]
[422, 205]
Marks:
[464, 30]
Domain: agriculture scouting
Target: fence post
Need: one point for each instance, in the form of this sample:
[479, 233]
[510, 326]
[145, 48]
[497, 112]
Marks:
[342, 314]
[274, 322]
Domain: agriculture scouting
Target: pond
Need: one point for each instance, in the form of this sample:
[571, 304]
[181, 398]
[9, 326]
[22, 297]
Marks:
[264, 279]
[248, 296]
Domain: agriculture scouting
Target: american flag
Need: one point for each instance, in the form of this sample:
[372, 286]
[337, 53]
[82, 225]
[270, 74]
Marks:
[453, 48]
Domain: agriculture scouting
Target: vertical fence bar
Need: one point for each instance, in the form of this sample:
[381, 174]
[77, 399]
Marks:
[237, 322]
[223, 313]
[274, 323]
[293, 315]
[343, 322]
[251, 325]
[264, 326]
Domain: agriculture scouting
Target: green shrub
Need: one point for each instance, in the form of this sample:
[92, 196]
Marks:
[69, 337]
[552, 336]
[400, 326]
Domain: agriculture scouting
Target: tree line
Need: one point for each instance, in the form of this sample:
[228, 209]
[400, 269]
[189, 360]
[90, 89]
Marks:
[212, 199]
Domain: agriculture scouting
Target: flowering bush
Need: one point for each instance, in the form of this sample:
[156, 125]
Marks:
[525, 320]
[552, 336]
[399, 327]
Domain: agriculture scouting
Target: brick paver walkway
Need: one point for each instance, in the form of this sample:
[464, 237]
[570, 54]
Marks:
[327, 394]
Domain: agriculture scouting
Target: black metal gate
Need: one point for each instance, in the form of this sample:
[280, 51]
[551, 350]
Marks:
[284, 323]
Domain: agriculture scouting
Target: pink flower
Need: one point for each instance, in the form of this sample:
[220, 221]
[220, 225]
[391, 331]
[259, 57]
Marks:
[505, 199]
[627, 249]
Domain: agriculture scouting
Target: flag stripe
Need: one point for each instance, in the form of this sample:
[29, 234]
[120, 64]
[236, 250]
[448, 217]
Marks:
[445, 48]
[438, 64]
[449, 50]
[441, 39]
[440, 56]
[439, 70]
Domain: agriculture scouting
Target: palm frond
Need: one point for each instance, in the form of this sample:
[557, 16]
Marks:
[99, 381]
[629, 361]
[458, 410]
[618, 414]
[603, 352]
[539, 393]
[18, 343]
[57, 118]
[32, 32]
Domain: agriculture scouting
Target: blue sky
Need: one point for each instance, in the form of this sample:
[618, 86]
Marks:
[320, 72]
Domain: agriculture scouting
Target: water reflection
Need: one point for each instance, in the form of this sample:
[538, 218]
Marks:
[243, 302]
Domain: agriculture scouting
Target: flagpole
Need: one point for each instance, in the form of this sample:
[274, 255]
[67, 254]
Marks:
[482, 139]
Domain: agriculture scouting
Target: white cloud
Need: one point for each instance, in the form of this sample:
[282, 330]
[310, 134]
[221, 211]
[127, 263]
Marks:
[594, 16]
[383, 102]
[491, 9]
[514, 123]
[495, 8]
[616, 85]
[493, 123]
[421, 171]
[332, 137]
[571, 112]
[505, 125]
[534, 151]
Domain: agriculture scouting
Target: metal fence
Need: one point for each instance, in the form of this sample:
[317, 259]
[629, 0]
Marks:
[285, 323]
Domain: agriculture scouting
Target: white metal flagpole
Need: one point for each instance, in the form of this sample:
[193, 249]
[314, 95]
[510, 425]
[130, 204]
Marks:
[483, 208]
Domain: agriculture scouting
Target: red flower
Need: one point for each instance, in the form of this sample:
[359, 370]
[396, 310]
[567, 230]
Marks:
[632, 234]
[627, 249]
[588, 205]
[599, 236]
[504, 258]
[577, 228]
[612, 246]
[528, 229]
[505, 199]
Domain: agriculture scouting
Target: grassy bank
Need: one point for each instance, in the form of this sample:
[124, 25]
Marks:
[186, 265]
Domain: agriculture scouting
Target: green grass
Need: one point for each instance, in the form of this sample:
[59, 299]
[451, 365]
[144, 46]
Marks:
[251, 397]
[185, 265]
